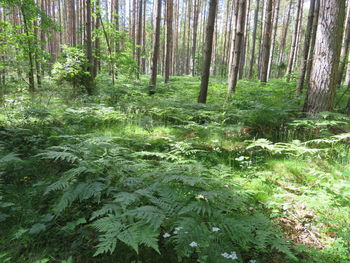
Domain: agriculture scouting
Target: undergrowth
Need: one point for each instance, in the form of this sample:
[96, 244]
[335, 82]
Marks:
[128, 177]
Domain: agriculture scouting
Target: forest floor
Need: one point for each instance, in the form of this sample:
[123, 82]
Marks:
[295, 170]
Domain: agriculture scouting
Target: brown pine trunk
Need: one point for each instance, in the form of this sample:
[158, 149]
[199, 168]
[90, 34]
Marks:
[202, 98]
[313, 41]
[294, 43]
[194, 38]
[169, 40]
[266, 43]
[345, 49]
[139, 39]
[156, 36]
[273, 45]
[324, 75]
[88, 43]
[306, 50]
[252, 51]
[284, 41]
[237, 50]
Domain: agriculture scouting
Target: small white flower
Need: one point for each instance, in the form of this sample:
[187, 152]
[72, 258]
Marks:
[215, 229]
[225, 255]
[178, 228]
[233, 256]
[193, 244]
[166, 235]
[252, 261]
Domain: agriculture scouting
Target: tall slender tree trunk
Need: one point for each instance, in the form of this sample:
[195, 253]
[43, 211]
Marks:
[345, 49]
[306, 50]
[97, 40]
[202, 98]
[194, 38]
[169, 40]
[89, 81]
[284, 41]
[324, 75]
[252, 51]
[266, 43]
[30, 50]
[294, 43]
[238, 42]
[139, 39]
[313, 41]
[156, 37]
[273, 46]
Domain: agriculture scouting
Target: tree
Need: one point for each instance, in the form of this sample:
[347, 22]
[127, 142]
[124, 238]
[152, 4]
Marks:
[252, 52]
[202, 98]
[156, 36]
[293, 49]
[266, 43]
[238, 46]
[169, 40]
[323, 79]
[88, 44]
[302, 72]
[345, 50]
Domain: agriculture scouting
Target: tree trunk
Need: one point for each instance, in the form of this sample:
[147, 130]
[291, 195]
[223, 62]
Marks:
[169, 40]
[345, 49]
[202, 98]
[294, 43]
[284, 41]
[153, 81]
[139, 39]
[276, 18]
[97, 40]
[89, 81]
[30, 50]
[313, 41]
[252, 51]
[194, 39]
[238, 42]
[324, 75]
[266, 43]
[303, 65]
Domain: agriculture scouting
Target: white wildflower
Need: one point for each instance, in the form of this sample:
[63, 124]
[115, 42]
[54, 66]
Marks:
[225, 255]
[215, 229]
[252, 261]
[178, 228]
[166, 235]
[193, 244]
[233, 256]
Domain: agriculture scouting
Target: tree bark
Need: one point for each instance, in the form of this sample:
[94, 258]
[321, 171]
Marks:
[266, 43]
[202, 98]
[345, 49]
[239, 41]
[306, 50]
[156, 36]
[252, 51]
[324, 75]
[294, 42]
[169, 40]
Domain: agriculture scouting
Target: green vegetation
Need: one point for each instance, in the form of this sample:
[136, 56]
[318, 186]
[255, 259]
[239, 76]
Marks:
[124, 176]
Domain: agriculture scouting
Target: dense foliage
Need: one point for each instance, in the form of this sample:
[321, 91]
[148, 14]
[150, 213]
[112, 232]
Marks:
[127, 177]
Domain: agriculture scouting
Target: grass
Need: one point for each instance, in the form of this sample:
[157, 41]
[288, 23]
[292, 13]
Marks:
[306, 194]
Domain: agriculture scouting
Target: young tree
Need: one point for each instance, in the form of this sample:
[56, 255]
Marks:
[266, 43]
[202, 98]
[156, 36]
[323, 78]
[345, 49]
[238, 46]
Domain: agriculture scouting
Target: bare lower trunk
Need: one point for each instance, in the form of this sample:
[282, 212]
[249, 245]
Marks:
[324, 75]
[202, 98]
